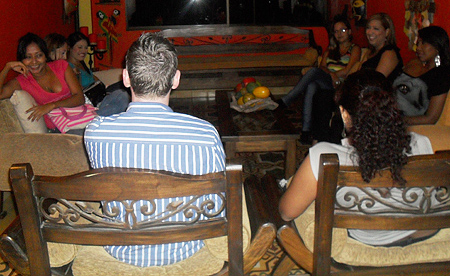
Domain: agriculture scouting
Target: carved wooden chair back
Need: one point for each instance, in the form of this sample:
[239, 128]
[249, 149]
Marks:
[71, 197]
[429, 173]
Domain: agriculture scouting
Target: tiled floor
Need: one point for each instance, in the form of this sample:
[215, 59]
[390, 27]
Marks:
[4, 223]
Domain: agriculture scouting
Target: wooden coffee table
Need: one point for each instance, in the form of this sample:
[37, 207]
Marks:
[260, 131]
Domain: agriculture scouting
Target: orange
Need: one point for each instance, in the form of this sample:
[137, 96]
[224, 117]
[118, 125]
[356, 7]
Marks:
[261, 92]
[248, 96]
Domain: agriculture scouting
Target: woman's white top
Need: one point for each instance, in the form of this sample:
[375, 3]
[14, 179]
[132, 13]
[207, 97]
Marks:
[347, 157]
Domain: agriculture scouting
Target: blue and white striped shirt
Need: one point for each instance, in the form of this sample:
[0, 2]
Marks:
[152, 136]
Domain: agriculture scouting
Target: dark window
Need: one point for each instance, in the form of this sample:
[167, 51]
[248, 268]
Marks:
[159, 14]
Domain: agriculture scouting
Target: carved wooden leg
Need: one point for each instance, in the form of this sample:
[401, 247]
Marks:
[283, 266]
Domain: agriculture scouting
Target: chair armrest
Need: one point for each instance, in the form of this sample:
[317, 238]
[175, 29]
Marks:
[263, 230]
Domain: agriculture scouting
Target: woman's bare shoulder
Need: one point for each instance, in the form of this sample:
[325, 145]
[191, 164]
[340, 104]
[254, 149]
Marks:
[414, 68]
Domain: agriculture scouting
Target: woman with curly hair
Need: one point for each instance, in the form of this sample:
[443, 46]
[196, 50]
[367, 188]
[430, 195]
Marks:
[377, 139]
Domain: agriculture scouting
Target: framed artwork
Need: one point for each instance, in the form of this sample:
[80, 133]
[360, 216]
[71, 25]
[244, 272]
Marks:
[418, 14]
[359, 12]
[70, 7]
[108, 25]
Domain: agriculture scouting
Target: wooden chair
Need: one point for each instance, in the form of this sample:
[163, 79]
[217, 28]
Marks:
[429, 172]
[75, 193]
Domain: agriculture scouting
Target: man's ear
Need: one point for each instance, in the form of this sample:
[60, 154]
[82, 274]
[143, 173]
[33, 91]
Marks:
[126, 78]
[176, 80]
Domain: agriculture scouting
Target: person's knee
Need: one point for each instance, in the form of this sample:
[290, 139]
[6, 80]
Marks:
[114, 103]
[311, 90]
[314, 70]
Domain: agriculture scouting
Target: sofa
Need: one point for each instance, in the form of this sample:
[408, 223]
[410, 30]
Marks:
[439, 133]
[52, 154]
[240, 47]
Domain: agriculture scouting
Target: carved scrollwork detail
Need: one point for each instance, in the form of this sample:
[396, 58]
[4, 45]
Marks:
[76, 214]
[411, 200]
[123, 214]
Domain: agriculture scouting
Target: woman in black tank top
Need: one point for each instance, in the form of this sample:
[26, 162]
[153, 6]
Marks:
[383, 56]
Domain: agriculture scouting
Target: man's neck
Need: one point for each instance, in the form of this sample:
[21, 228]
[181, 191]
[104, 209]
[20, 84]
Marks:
[161, 100]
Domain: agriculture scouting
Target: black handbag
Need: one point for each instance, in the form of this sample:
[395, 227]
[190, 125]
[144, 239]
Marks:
[95, 92]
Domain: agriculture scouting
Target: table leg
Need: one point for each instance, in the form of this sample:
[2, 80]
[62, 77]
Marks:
[291, 157]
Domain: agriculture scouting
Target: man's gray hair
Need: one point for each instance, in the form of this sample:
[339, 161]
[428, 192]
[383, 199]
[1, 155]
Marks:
[151, 63]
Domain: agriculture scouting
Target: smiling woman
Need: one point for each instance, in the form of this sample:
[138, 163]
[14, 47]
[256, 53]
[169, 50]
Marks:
[51, 84]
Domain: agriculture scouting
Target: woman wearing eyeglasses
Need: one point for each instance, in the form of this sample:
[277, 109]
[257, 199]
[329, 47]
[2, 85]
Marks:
[383, 56]
[337, 61]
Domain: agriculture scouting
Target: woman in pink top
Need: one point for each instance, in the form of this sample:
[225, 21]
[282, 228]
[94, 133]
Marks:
[52, 84]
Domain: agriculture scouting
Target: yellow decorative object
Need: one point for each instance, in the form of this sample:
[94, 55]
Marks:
[261, 92]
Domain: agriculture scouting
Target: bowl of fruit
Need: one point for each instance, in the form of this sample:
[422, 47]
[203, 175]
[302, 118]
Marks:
[249, 96]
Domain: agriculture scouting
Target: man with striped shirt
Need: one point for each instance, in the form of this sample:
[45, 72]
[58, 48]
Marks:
[150, 135]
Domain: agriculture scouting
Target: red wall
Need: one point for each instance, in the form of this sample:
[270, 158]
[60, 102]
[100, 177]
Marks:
[396, 9]
[121, 39]
[19, 17]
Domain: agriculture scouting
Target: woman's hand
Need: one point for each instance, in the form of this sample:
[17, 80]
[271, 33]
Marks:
[40, 110]
[336, 80]
[19, 67]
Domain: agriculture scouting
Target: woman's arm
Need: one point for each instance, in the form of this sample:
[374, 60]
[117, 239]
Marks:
[300, 193]
[323, 62]
[8, 89]
[433, 112]
[364, 58]
[323, 66]
[355, 56]
[76, 99]
[387, 63]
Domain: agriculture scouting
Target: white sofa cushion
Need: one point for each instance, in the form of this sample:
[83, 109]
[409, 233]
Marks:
[22, 101]
[109, 76]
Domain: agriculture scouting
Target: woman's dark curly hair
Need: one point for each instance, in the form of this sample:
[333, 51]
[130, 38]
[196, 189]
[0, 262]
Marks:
[377, 131]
